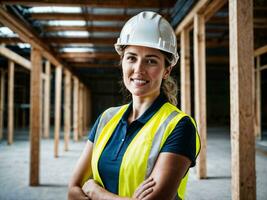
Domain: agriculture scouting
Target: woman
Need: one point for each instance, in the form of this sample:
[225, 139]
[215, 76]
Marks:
[141, 150]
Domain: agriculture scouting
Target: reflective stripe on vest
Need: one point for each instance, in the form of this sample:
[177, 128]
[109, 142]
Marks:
[141, 154]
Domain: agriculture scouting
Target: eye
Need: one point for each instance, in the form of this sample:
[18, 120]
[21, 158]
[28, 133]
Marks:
[152, 61]
[130, 58]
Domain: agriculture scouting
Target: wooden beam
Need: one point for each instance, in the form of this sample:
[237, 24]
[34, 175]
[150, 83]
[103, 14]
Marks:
[82, 28]
[27, 34]
[10, 126]
[2, 100]
[47, 100]
[80, 40]
[97, 55]
[96, 3]
[75, 108]
[67, 109]
[80, 110]
[241, 96]
[15, 57]
[58, 80]
[35, 116]
[79, 16]
[185, 72]
[90, 65]
[213, 8]
[260, 51]
[200, 91]
[10, 40]
[257, 99]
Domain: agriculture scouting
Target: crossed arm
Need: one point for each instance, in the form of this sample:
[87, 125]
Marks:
[162, 183]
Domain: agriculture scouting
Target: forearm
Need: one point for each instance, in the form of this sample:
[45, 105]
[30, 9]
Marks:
[99, 193]
[76, 193]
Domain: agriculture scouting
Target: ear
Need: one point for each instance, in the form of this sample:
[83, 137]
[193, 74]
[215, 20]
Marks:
[167, 72]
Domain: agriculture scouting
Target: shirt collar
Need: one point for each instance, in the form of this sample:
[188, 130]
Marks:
[156, 105]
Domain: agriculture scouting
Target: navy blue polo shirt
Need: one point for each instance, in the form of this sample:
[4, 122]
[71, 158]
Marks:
[181, 141]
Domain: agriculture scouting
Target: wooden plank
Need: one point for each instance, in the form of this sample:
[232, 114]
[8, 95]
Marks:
[58, 80]
[98, 55]
[185, 72]
[90, 65]
[15, 57]
[80, 111]
[10, 121]
[2, 100]
[82, 28]
[79, 16]
[213, 8]
[241, 96]
[67, 109]
[10, 40]
[258, 99]
[47, 100]
[96, 3]
[75, 109]
[200, 91]
[80, 40]
[260, 51]
[35, 116]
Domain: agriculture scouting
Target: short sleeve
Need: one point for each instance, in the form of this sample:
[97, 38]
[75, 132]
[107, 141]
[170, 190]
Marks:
[182, 140]
[91, 135]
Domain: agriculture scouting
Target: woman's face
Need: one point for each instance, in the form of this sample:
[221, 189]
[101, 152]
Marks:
[143, 70]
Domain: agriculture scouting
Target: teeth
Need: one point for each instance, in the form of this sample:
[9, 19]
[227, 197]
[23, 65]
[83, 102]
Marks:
[139, 81]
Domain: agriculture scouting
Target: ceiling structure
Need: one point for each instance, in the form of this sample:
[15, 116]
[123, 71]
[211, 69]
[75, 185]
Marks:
[81, 34]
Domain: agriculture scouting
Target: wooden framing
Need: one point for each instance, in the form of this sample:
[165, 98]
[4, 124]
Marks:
[80, 40]
[75, 108]
[98, 55]
[35, 116]
[241, 95]
[67, 109]
[58, 80]
[185, 72]
[79, 16]
[47, 100]
[15, 57]
[27, 34]
[200, 90]
[2, 101]
[10, 124]
[95, 3]
[83, 28]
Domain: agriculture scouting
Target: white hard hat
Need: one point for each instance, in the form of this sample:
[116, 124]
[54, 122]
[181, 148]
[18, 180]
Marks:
[149, 29]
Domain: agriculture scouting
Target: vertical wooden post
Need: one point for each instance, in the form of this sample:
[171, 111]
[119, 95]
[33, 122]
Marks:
[75, 109]
[2, 102]
[80, 110]
[57, 109]
[47, 100]
[200, 91]
[241, 95]
[67, 109]
[185, 72]
[258, 99]
[10, 126]
[35, 116]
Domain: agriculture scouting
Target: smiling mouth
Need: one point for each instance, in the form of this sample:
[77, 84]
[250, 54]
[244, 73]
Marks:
[139, 81]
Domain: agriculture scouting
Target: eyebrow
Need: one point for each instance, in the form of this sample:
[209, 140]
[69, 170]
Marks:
[149, 56]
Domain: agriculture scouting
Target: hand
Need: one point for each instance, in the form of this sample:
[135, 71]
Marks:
[89, 186]
[144, 189]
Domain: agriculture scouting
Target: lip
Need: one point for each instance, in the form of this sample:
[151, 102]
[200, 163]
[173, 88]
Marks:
[139, 82]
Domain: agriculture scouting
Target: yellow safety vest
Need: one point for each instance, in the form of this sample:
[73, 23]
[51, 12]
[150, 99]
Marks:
[141, 154]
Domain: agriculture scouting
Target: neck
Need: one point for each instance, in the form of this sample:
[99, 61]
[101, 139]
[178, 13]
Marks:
[140, 105]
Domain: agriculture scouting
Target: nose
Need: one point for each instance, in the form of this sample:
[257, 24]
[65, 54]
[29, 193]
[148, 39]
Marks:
[139, 66]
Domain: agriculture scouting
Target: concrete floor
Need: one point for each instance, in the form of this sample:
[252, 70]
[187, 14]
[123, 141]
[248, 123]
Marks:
[55, 172]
